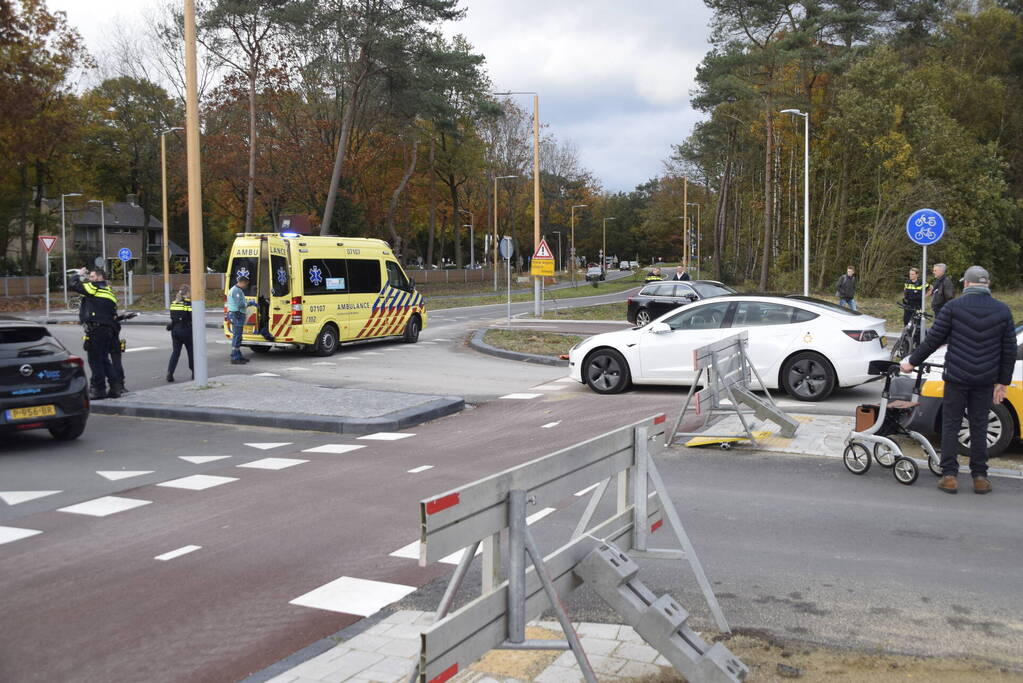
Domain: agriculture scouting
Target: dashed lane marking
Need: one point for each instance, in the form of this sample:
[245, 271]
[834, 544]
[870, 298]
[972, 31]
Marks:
[537, 516]
[333, 448]
[520, 396]
[422, 468]
[200, 459]
[350, 595]
[371, 353]
[141, 348]
[586, 490]
[551, 387]
[107, 505]
[9, 534]
[324, 362]
[266, 374]
[267, 446]
[297, 368]
[411, 552]
[184, 550]
[386, 436]
[549, 425]
[117, 475]
[197, 482]
[273, 463]
[15, 497]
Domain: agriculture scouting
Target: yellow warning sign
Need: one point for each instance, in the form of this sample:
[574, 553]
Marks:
[542, 267]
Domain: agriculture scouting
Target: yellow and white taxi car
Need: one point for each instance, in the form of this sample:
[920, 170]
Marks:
[313, 292]
[1004, 420]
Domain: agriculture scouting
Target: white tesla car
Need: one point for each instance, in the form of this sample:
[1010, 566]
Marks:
[803, 345]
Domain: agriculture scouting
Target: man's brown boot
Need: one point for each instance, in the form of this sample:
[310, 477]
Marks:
[948, 483]
[981, 485]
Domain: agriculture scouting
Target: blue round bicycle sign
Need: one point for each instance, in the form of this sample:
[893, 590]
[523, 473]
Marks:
[925, 226]
[124, 253]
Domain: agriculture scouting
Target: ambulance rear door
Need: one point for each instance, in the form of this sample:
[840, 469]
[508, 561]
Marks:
[245, 258]
[278, 290]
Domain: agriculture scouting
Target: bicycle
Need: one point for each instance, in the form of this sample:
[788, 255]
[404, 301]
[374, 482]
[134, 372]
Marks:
[910, 337]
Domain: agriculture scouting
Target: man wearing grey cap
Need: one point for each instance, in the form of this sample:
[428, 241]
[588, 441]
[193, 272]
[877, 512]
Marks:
[978, 365]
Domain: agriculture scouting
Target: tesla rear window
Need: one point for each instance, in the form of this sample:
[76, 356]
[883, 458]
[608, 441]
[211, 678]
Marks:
[834, 308]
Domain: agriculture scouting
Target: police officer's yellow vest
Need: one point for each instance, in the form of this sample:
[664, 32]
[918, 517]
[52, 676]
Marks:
[99, 292]
[185, 306]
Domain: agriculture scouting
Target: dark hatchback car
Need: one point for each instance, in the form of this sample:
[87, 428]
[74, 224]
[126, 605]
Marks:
[657, 298]
[42, 386]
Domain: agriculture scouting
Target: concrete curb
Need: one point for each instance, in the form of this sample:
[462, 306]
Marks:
[402, 419]
[477, 343]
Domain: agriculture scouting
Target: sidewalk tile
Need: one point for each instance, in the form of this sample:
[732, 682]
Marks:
[559, 674]
[608, 631]
[409, 649]
[605, 665]
[635, 652]
[405, 616]
[598, 646]
[353, 663]
[424, 619]
[565, 659]
[638, 670]
[286, 677]
[405, 632]
[389, 668]
[380, 629]
[367, 642]
[662, 661]
[627, 634]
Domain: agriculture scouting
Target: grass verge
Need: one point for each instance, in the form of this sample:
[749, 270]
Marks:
[616, 311]
[529, 341]
[581, 290]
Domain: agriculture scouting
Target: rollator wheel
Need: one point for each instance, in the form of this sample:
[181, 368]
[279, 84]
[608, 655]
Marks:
[856, 458]
[934, 466]
[905, 471]
[884, 455]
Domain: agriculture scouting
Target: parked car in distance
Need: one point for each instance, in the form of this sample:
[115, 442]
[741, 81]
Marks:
[42, 385]
[805, 346]
[594, 272]
[625, 265]
[1004, 419]
[657, 298]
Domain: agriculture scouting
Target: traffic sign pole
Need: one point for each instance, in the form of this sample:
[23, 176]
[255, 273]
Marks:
[48, 241]
[925, 227]
[923, 298]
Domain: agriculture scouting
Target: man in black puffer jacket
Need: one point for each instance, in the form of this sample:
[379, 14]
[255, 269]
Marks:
[978, 365]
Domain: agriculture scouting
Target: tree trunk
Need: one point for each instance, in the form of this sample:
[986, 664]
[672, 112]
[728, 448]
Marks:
[765, 263]
[431, 227]
[843, 207]
[347, 120]
[721, 212]
[23, 200]
[34, 247]
[456, 218]
[250, 192]
[398, 246]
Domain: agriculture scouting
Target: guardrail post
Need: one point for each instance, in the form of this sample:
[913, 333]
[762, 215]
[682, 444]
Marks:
[516, 566]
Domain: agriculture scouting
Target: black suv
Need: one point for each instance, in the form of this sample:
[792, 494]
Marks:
[41, 384]
[657, 298]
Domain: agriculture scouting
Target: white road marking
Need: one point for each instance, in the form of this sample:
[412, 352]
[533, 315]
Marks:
[439, 339]
[200, 459]
[117, 475]
[266, 374]
[273, 463]
[550, 424]
[417, 470]
[107, 505]
[551, 387]
[565, 379]
[411, 552]
[372, 353]
[197, 482]
[425, 343]
[386, 436]
[333, 448]
[586, 490]
[177, 553]
[324, 362]
[15, 497]
[141, 348]
[13, 533]
[537, 516]
[268, 446]
[520, 396]
[349, 595]
[297, 368]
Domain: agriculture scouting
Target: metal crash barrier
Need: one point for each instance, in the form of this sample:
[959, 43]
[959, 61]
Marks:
[475, 515]
[725, 372]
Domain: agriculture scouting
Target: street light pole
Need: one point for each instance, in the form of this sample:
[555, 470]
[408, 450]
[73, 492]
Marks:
[603, 245]
[697, 205]
[196, 254]
[63, 242]
[806, 196]
[571, 248]
[496, 178]
[472, 238]
[102, 229]
[166, 238]
[558, 233]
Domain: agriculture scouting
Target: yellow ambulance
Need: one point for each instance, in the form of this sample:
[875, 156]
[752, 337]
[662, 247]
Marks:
[313, 293]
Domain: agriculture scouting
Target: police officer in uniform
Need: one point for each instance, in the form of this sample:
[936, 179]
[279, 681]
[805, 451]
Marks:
[99, 313]
[653, 276]
[912, 295]
[180, 328]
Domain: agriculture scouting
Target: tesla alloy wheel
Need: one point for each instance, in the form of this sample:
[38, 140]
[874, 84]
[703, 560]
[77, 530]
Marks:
[606, 371]
[807, 376]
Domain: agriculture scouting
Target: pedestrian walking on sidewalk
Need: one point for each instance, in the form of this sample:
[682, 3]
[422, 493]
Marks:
[237, 309]
[979, 361]
[846, 289]
[180, 328]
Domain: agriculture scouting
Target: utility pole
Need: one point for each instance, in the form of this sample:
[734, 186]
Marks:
[196, 255]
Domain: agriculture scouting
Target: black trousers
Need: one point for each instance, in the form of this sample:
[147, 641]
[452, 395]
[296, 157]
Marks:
[975, 402]
[180, 336]
[101, 341]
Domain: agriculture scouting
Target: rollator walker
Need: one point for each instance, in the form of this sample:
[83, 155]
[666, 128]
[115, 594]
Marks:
[899, 401]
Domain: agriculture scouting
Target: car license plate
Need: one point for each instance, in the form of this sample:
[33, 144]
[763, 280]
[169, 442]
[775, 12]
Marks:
[29, 413]
[884, 341]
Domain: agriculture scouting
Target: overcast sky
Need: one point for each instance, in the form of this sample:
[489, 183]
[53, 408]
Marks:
[614, 76]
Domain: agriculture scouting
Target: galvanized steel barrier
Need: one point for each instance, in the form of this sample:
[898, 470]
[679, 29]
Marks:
[476, 514]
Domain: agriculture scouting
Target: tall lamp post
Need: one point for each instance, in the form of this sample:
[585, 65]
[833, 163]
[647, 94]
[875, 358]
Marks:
[806, 196]
[537, 304]
[571, 247]
[63, 241]
[697, 205]
[196, 252]
[166, 238]
[603, 245]
[102, 229]
[496, 178]
[472, 239]
[558, 233]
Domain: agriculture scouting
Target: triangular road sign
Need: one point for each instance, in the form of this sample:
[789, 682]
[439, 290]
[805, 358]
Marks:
[48, 242]
[543, 251]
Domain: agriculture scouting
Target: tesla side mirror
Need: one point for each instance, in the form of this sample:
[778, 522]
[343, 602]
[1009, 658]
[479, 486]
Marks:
[659, 328]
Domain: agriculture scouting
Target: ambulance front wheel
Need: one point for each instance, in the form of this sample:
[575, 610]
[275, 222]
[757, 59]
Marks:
[326, 341]
[412, 328]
